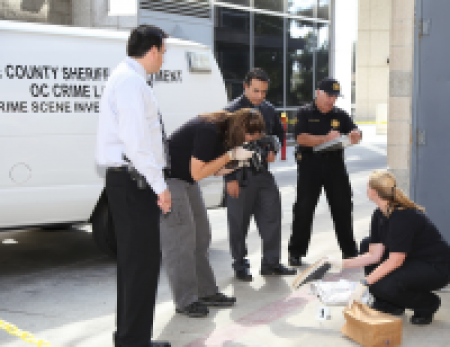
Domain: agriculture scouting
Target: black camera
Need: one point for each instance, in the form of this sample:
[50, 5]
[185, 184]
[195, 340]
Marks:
[261, 149]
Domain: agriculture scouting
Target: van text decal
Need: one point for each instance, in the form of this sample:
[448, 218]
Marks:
[54, 89]
[166, 76]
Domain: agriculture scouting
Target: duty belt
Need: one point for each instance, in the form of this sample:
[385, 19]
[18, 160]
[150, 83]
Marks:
[322, 154]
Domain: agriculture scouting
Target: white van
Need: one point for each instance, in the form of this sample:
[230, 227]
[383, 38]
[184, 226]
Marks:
[51, 80]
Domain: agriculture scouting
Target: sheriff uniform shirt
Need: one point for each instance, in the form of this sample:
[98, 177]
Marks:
[409, 231]
[198, 138]
[311, 121]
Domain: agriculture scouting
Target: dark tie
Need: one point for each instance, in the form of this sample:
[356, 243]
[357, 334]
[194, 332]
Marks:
[165, 142]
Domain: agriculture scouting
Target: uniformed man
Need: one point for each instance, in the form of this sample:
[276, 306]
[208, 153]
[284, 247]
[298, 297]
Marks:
[317, 123]
[260, 197]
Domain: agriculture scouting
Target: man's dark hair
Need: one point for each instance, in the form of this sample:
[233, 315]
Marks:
[257, 74]
[143, 38]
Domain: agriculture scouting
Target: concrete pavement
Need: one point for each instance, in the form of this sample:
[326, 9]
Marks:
[268, 312]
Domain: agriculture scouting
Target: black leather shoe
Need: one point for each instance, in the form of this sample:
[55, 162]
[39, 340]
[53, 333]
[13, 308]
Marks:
[243, 275]
[421, 320]
[159, 344]
[218, 300]
[277, 270]
[194, 310]
[295, 261]
[150, 344]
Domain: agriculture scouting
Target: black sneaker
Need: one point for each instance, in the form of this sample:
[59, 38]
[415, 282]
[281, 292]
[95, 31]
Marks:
[277, 270]
[425, 318]
[421, 319]
[295, 261]
[194, 310]
[218, 300]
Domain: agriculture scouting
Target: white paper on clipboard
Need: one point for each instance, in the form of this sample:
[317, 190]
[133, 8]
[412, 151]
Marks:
[338, 143]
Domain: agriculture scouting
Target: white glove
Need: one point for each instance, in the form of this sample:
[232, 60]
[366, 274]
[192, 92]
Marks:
[240, 153]
[337, 264]
[357, 294]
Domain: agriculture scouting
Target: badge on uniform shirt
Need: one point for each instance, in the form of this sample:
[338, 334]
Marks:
[314, 120]
[335, 123]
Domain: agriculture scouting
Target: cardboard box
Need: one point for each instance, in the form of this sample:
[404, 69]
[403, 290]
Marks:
[371, 328]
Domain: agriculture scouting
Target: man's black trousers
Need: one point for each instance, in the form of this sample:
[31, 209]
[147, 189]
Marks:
[410, 286]
[135, 216]
[260, 199]
[327, 170]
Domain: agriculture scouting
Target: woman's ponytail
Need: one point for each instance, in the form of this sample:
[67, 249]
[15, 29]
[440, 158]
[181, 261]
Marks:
[384, 183]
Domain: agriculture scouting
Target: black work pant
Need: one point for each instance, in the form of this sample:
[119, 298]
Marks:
[261, 199]
[135, 215]
[327, 170]
[411, 285]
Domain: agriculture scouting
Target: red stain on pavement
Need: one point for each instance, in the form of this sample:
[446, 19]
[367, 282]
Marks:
[267, 314]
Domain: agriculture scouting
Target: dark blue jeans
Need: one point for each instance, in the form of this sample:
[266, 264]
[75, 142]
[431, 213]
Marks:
[411, 285]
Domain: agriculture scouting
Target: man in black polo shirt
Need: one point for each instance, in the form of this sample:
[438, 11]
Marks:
[317, 123]
[260, 196]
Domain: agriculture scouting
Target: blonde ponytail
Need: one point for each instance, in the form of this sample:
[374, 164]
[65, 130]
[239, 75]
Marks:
[384, 183]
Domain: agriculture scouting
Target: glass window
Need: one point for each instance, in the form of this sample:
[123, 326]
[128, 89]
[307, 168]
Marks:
[232, 40]
[273, 5]
[237, 2]
[299, 65]
[323, 9]
[268, 53]
[322, 52]
[301, 7]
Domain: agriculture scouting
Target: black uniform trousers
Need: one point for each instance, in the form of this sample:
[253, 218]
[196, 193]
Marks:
[327, 170]
[135, 215]
[410, 285]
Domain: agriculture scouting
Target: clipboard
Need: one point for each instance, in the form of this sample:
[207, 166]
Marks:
[338, 143]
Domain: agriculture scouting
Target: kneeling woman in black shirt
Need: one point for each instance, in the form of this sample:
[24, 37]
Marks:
[405, 258]
[198, 149]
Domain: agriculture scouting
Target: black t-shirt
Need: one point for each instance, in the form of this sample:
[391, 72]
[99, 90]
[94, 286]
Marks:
[271, 118]
[199, 138]
[311, 121]
[409, 231]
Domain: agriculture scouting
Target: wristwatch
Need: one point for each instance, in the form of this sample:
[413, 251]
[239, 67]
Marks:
[364, 282]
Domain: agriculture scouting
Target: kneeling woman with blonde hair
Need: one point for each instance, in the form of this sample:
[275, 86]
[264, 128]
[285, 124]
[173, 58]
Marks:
[405, 258]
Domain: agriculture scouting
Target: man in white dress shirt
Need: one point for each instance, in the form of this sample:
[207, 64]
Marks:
[130, 134]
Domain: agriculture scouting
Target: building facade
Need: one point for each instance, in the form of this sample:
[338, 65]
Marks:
[290, 39]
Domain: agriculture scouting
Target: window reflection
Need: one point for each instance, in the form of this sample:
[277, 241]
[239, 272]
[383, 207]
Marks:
[268, 53]
[323, 9]
[237, 2]
[307, 48]
[322, 52]
[273, 5]
[232, 40]
[299, 69]
[301, 7]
